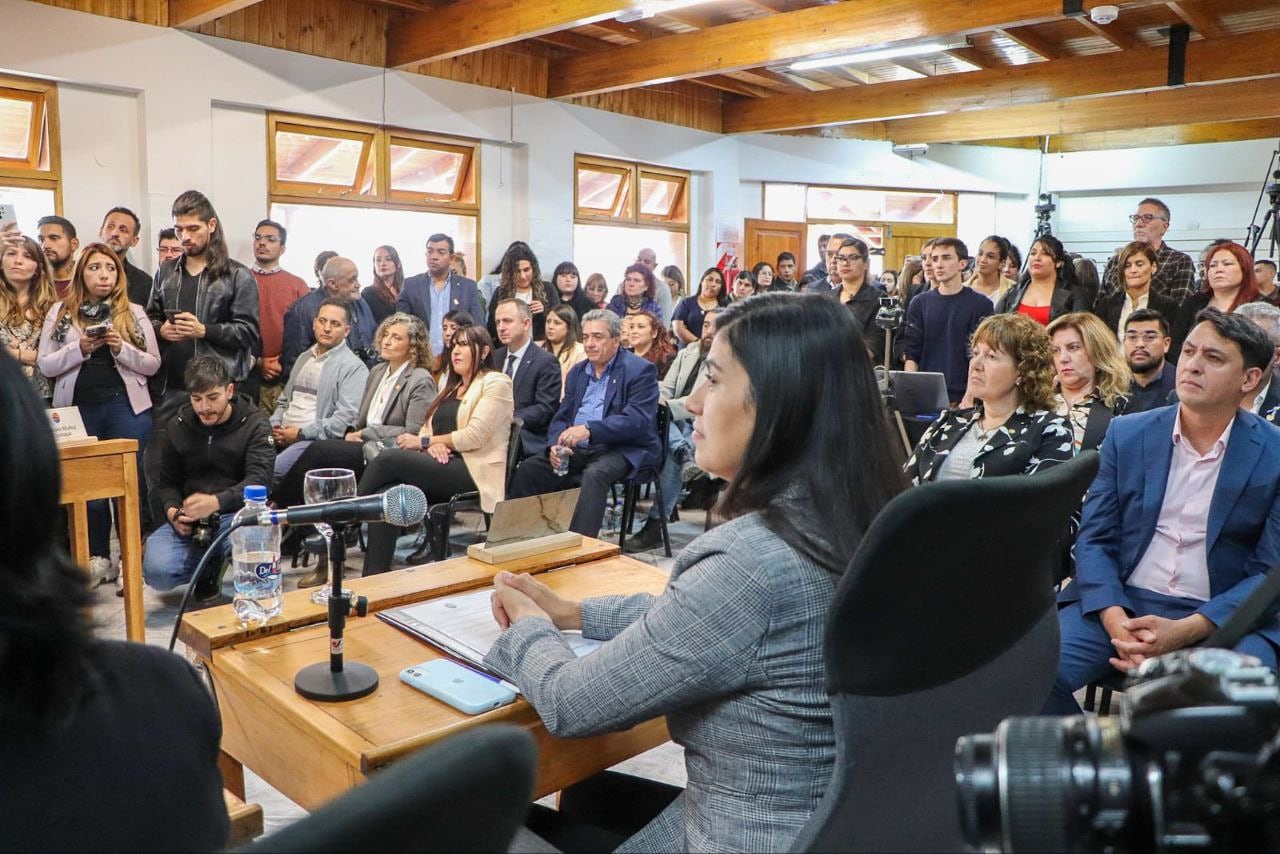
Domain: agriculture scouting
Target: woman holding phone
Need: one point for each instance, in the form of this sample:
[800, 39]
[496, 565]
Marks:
[99, 349]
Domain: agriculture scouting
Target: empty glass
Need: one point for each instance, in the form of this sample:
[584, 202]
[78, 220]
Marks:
[320, 486]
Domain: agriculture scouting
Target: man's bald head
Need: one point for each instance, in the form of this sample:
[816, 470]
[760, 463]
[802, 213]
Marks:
[341, 278]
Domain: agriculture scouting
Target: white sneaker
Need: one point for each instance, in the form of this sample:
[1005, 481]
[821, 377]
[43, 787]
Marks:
[101, 570]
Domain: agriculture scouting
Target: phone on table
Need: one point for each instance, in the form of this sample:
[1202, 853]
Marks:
[461, 687]
[98, 330]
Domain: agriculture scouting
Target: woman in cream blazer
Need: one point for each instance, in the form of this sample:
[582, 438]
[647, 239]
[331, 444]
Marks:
[463, 442]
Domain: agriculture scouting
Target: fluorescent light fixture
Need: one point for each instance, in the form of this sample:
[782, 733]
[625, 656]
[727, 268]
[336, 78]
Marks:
[649, 8]
[861, 57]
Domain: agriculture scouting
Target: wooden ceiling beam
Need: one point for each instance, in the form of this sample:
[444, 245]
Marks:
[1033, 42]
[1234, 58]
[735, 87]
[790, 36]
[1201, 19]
[481, 24]
[1250, 99]
[789, 80]
[1111, 33]
[574, 41]
[189, 14]
[974, 57]
[1172, 135]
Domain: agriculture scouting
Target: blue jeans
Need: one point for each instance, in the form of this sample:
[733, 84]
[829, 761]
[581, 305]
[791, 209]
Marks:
[1086, 646]
[171, 558]
[113, 419]
[678, 434]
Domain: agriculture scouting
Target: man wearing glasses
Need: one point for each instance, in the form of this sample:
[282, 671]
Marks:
[1146, 341]
[1175, 271]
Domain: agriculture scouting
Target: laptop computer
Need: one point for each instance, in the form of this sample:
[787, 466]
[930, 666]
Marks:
[919, 393]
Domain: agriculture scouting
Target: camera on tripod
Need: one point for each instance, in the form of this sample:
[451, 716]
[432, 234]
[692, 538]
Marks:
[1191, 763]
[890, 315]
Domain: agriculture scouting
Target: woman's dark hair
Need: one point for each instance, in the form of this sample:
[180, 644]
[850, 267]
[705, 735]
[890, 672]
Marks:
[195, 203]
[663, 349]
[820, 438]
[515, 244]
[723, 299]
[572, 335]
[507, 270]
[389, 292]
[650, 283]
[45, 634]
[476, 339]
[1248, 279]
[1002, 245]
[1066, 273]
[459, 318]
[1015, 254]
[672, 272]
[565, 268]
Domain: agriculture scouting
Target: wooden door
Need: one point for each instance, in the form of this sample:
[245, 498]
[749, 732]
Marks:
[766, 239]
[903, 239]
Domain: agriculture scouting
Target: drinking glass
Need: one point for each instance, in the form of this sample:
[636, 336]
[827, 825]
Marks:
[320, 486]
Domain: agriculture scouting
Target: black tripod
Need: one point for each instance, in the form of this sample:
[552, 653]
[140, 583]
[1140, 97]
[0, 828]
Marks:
[889, 318]
[1270, 226]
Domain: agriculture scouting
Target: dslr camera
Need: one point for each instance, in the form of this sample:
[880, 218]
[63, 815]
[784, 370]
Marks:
[1192, 763]
[204, 530]
[890, 314]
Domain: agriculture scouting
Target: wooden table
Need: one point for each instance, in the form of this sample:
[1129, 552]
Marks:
[108, 469]
[313, 752]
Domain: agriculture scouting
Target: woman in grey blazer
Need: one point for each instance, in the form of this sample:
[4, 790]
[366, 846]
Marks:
[396, 397]
[731, 653]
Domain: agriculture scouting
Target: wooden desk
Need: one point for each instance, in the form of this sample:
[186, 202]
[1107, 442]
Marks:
[313, 752]
[108, 469]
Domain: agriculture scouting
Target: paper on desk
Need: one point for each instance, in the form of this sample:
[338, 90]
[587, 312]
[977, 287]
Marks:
[463, 625]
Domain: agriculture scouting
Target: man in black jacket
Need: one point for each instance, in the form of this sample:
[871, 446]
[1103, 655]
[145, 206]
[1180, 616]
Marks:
[119, 230]
[535, 374]
[216, 445]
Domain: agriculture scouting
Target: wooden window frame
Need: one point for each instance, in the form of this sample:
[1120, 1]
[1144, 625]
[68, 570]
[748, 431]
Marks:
[810, 220]
[465, 190]
[676, 220]
[42, 168]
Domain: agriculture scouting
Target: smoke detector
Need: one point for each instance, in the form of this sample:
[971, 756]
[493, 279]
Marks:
[1104, 14]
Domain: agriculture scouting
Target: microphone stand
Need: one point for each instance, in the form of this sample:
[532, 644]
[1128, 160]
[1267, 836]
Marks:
[336, 681]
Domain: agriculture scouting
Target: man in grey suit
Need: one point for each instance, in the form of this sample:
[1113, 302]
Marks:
[431, 295]
[534, 373]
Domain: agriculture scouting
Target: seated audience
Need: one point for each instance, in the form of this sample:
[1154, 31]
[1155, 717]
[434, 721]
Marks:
[786, 278]
[1264, 271]
[638, 290]
[687, 372]
[1013, 428]
[675, 282]
[341, 285]
[26, 295]
[388, 282]
[521, 278]
[323, 394]
[987, 279]
[462, 446]
[762, 273]
[1093, 378]
[687, 319]
[120, 230]
[1175, 274]
[152, 782]
[534, 373]
[278, 290]
[940, 323]
[1229, 284]
[568, 283]
[1266, 402]
[217, 444]
[744, 285]
[564, 340]
[1155, 577]
[858, 294]
[597, 290]
[1137, 265]
[1146, 341]
[732, 652]
[430, 295]
[650, 340]
[99, 349]
[607, 420]
[1049, 289]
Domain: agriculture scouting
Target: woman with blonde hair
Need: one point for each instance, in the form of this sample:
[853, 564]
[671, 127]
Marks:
[1092, 375]
[1012, 428]
[99, 350]
[26, 295]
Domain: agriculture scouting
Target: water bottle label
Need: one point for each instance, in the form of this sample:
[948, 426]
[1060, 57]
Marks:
[264, 571]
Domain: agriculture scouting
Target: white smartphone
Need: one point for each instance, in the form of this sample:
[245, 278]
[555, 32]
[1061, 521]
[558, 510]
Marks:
[465, 689]
[8, 214]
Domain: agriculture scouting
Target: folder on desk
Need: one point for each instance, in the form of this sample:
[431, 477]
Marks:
[463, 626]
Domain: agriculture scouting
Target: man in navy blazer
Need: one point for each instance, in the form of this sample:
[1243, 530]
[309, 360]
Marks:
[433, 294]
[1183, 520]
[535, 374]
[608, 418]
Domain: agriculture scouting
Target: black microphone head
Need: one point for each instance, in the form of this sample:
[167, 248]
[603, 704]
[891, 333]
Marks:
[404, 505]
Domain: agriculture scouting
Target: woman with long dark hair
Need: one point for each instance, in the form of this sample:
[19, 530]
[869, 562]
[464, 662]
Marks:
[649, 339]
[568, 284]
[520, 278]
[388, 280]
[26, 295]
[1048, 289]
[564, 339]
[99, 350]
[1229, 282]
[674, 278]
[687, 318]
[732, 652]
[153, 782]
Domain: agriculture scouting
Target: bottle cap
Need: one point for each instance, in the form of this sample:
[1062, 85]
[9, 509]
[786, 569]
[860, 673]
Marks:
[255, 493]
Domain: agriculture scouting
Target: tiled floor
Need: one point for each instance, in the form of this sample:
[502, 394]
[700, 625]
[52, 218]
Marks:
[665, 763]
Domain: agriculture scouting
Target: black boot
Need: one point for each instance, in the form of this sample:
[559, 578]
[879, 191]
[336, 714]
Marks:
[209, 589]
[646, 539]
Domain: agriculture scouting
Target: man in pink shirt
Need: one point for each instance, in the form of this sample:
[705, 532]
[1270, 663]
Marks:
[1183, 520]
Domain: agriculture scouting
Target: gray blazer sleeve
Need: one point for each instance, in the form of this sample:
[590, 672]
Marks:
[603, 617]
[418, 394]
[699, 640]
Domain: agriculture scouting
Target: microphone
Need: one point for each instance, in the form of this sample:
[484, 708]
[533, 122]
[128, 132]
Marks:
[401, 505]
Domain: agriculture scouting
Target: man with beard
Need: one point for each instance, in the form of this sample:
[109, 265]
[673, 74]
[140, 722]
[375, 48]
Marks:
[119, 230]
[1146, 341]
[59, 243]
[278, 289]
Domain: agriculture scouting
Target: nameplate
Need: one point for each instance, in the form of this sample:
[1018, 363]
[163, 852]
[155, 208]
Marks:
[496, 554]
[68, 426]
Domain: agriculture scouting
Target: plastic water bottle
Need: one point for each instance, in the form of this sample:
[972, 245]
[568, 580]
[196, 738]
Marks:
[255, 562]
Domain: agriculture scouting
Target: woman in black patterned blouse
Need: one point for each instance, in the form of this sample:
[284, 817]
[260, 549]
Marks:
[1012, 429]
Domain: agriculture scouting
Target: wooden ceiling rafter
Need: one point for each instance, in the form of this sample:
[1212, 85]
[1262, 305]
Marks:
[189, 14]
[1112, 33]
[1034, 42]
[1198, 16]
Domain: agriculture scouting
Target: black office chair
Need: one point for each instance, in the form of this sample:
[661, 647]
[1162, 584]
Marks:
[440, 516]
[943, 625]
[468, 793]
[646, 475]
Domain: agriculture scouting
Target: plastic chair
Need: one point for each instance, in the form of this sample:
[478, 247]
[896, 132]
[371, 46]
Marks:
[647, 475]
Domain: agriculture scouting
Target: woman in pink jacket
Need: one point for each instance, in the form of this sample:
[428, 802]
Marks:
[99, 349]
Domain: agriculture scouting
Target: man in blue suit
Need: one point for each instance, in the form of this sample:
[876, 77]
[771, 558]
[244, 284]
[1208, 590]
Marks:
[433, 294]
[1183, 520]
[608, 418]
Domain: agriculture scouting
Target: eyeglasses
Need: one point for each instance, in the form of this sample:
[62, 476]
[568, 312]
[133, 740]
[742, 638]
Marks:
[849, 259]
[1145, 219]
[266, 238]
[1144, 337]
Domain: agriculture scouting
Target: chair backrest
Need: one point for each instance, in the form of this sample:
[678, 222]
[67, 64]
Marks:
[943, 625]
[468, 793]
[515, 449]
